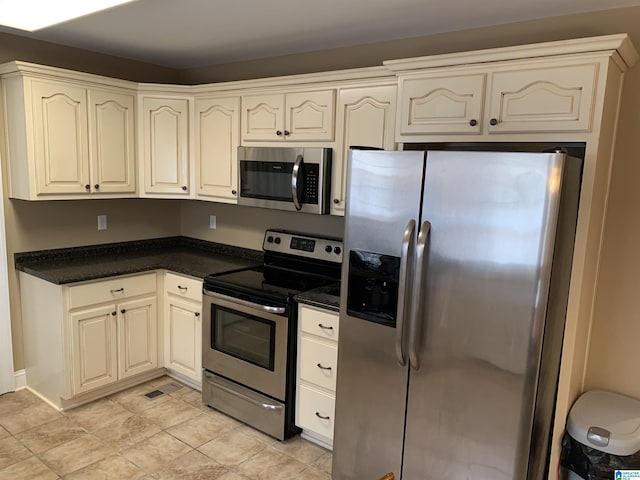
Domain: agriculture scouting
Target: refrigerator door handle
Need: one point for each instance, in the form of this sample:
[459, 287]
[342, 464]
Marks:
[417, 294]
[406, 253]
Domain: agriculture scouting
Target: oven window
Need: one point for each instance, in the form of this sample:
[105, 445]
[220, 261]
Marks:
[243, 336]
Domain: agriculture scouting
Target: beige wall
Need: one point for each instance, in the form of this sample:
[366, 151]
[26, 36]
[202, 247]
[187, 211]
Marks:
[615, 336]
[613, 354]
[13, 47]
[245, 226]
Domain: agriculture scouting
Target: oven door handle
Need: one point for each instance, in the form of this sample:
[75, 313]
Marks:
[267, 406]
[245, 303]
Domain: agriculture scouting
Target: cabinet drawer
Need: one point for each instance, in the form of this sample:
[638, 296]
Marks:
[323, 323]
[312, 407]
[318, 363]
[112, 290]
[183, 287]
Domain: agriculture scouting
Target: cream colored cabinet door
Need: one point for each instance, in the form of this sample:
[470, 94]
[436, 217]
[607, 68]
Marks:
[183, 338]
[137, 336]
[309, 116]
[166, 145]
[217, 122]
[95, 358]
[61, 145]
[549, 99]
[365, 119]
[111, 137]
[295, 117]
[440, 104]
[263, 118]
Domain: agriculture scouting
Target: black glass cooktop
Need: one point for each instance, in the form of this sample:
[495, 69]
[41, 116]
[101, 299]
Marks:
[264, 283]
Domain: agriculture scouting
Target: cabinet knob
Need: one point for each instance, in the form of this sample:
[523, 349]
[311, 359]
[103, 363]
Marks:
[123, 311]
[197, 314]
[493, 122]
[287, 133]
[97, 186]
[233, 192]
[336, 201]
[184, 188]
[87, 187]
[473, 122]
[114, 313]
[279, 133]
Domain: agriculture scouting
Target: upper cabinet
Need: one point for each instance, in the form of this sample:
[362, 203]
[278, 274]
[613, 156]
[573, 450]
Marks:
[292, 117]
[68, 139]
[217, 129]
[537, 97]
[365, 119]
[165, 146]
[112, 141]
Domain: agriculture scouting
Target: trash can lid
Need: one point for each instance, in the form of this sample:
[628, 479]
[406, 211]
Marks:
[606, 421]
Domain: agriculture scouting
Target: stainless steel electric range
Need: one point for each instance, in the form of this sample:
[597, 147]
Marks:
[250, 325]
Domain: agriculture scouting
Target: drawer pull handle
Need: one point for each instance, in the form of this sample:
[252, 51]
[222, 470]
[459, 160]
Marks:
[117, 290]
[324, 327]
[322, 367]
[322, 416]
[180, 287]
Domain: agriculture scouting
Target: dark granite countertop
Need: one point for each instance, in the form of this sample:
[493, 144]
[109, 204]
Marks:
[189, 256]
[324, 297]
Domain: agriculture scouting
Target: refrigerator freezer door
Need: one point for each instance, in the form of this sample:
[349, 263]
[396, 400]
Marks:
[470, 403]
[383, 198]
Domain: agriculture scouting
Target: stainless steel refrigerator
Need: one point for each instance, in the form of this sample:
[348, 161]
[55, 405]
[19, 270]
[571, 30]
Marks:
[454, 291]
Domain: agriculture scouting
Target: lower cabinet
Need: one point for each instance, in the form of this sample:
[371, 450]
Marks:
[112, 342]
[183, 327]
[316, 373]
[87, 340]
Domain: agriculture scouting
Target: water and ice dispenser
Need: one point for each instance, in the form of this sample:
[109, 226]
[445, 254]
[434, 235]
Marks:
[373, 287]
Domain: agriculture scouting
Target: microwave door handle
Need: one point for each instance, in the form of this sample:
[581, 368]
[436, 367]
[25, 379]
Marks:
[295, 175]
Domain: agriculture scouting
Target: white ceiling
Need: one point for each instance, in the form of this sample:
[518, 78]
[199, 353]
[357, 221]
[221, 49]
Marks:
[192, 33]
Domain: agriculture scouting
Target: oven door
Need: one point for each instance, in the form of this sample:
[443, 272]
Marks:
[246, 342]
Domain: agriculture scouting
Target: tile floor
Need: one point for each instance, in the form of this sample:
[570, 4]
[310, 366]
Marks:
[127, 436]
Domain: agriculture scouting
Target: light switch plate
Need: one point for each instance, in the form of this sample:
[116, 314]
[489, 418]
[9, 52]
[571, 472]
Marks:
[102, 222]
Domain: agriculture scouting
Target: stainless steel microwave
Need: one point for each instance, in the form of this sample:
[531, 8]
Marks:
[295, 179]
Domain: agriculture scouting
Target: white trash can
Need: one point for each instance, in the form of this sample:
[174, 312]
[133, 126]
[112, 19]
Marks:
[603, 441]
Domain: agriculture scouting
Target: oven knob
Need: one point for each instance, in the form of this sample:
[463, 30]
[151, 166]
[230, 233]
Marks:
[337, 250]
[277, 240]
[328, 249]
[270, 239]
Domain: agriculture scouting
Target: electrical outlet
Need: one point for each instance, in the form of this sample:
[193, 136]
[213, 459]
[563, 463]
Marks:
[102, 222]
[212, 222]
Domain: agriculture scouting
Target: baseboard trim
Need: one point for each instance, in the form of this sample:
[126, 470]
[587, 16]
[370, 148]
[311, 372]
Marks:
[20, 379]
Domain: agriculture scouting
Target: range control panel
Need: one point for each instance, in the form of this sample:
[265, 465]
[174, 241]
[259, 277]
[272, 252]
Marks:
[303, 245]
